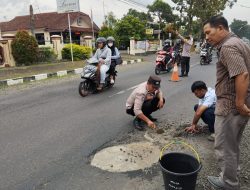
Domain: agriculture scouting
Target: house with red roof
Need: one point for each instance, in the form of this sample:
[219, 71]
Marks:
[53, 23]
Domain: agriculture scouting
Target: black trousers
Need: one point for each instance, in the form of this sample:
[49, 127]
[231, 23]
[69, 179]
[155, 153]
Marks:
[112, 68]
[185, 65]
[208, 117]
[148, 107]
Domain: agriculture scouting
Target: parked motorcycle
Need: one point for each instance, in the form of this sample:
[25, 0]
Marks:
[90, 80]
[164, 61]
[205, 56]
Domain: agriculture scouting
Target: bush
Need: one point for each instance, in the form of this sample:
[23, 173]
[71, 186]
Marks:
[46, 54]
[24, 48]
[79, 52]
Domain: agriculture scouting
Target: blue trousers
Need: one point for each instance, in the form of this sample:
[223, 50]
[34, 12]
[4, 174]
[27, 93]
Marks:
[208, 117]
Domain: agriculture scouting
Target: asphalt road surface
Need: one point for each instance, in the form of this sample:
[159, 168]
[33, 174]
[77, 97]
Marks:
[47, 132]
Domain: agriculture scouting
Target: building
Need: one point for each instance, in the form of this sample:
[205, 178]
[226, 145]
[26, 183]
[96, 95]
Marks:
[53, 23]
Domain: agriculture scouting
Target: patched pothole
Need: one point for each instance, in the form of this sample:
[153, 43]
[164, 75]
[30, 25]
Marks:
[127, 157]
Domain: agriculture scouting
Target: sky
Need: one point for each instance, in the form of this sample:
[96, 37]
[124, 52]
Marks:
[11, 8]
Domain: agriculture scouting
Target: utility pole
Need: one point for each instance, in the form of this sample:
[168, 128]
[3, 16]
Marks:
[103, 10]
[32, 21]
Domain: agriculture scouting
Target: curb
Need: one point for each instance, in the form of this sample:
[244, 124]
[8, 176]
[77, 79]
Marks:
[42, 76]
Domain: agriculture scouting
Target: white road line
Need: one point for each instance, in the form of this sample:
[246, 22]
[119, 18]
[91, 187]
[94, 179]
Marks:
[133, 87]
[123, 91]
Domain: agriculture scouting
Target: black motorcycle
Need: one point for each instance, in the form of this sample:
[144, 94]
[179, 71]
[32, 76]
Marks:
[90, 80]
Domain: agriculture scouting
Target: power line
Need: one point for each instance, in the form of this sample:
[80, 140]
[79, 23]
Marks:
[243, 6]
[132, 4]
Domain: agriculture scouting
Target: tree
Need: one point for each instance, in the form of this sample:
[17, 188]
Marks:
[240, 28]
[110, 20]
[201, 10]
[162, 11]
[24, 48]
[128, 27]
[106, 31]
[141, 15]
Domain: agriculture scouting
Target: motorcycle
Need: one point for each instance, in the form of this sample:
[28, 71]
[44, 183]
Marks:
[205, 56]
[164, 61]
[90, 80]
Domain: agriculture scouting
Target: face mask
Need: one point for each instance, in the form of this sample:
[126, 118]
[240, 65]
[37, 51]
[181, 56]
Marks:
[110, 44]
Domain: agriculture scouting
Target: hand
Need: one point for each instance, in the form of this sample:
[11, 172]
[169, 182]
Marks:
[149, 96]
[244, 110]
[101, 61]
[191, 129]
[151, 124]
[160, 104]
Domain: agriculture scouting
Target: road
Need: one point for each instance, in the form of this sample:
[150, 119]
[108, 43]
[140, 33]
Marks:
[48, 132]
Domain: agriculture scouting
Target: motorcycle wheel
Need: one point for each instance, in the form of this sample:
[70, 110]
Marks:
[83, 88]
[202, 62]
[157, 70]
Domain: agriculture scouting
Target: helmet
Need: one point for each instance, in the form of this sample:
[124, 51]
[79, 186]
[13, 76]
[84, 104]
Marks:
[178, 41]
[111, 38]
[101, 40]
[167, 43]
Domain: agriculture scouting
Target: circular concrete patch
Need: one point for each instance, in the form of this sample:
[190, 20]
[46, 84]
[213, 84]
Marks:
[127, 157]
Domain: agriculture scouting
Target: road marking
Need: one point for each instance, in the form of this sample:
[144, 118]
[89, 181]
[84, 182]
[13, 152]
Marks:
[133, 87]
[123, 91]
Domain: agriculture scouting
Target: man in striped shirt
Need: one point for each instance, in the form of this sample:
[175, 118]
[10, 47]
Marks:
[233, 99]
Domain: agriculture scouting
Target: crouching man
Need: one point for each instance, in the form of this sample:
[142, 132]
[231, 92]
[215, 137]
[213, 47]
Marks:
[205, 109]
[144, 100]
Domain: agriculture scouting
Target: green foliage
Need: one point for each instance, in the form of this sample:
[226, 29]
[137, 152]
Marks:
[202, 10]
[79, 52]
[162, 10]
[128, 27]
[241, 28]
[46, 54]
[24, 48]
[141, 15]
[106, 31]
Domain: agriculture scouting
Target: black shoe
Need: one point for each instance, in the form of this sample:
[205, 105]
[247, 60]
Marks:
[186, 75]
[181, 75]
[138, 124]
[152, 118]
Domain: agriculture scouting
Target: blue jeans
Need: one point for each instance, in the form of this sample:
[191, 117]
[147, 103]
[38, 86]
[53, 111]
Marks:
[103, 69]
[208, 117]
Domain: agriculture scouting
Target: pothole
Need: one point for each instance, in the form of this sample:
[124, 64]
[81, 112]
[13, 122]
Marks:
[127, 157]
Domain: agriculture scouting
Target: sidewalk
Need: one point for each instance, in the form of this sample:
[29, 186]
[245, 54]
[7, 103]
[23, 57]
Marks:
[17, 75]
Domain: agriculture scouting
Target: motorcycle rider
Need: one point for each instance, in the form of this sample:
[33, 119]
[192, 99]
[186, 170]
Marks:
[167, 47]
[103, 54]
[114, 56]
[208, 47]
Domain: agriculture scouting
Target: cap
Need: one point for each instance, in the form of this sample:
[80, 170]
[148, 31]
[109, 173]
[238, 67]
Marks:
[155, 80]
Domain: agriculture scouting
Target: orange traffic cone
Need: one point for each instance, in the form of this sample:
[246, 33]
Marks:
[175, 74]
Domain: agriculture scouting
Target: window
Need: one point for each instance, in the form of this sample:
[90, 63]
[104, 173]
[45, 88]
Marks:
[80, 21]
[40, 38]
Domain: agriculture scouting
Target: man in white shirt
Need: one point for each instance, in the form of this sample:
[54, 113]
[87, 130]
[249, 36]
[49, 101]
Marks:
[205, 108]
[185, 56]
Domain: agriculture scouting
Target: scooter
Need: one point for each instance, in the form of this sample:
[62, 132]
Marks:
[164, 61]
[205, 56]
[90, 80]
